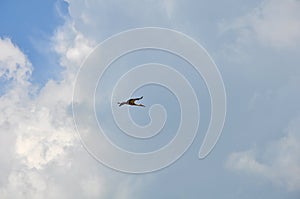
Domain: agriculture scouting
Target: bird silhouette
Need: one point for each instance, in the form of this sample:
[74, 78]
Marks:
[131, 102]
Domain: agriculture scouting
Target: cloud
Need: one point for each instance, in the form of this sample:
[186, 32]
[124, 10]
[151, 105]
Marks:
[41, 156]
[98, 20]
[38, 133]
[279, 162]
[71, 45]
[274, 23]
[15, 70]
[13, 63]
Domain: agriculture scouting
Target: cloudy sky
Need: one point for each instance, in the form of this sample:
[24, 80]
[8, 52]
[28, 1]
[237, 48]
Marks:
[256, 46]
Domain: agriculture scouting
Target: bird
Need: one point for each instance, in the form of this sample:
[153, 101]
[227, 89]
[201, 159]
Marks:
[131, 102]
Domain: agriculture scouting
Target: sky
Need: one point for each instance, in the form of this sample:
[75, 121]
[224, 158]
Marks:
[254, 44]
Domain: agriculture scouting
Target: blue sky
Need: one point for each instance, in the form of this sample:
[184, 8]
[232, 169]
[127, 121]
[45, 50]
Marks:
[255, 45]
[31, 25]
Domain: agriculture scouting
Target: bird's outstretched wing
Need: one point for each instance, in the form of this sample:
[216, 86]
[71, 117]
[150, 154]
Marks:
[139, 98]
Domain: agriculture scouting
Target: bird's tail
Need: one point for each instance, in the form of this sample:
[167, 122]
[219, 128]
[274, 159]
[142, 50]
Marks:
[120, 103]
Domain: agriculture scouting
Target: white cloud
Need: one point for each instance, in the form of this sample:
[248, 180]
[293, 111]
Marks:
[274, 23]
[98, 20]
[13, 63]
[246, 161]
[19, 181]
[93, 187]
[15, 70]
[38, 131]
[41, 156]
[72, 45]
[279, 162]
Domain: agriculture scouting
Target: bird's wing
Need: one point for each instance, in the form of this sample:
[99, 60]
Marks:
[139, 98]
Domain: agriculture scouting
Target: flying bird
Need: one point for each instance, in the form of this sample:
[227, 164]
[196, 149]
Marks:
[131, 102]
